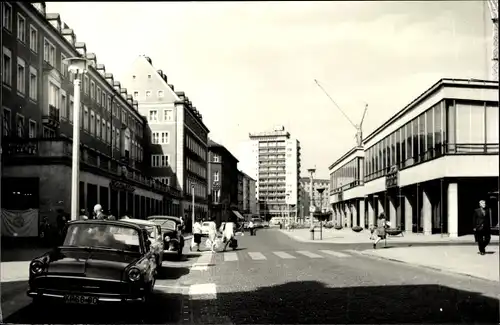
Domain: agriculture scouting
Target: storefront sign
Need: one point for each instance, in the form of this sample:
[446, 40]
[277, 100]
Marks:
[120, 186]
[392, 178]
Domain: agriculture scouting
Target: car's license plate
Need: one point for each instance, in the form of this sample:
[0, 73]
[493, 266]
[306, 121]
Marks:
[81, 300]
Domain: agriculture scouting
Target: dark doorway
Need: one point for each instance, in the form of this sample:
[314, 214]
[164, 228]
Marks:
[104, 197]
[91, 196]
[137, 211]
[130, 203]
[143, 207]
[81, 194]
[123, 203]
[113, 209]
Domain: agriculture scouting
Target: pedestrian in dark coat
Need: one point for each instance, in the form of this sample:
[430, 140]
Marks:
[481, 223]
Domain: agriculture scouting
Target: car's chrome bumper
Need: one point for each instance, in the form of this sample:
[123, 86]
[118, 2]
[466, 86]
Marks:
[102, 298]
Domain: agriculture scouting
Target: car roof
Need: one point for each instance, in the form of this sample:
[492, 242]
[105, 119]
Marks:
[176, 219]
[140, 222]
[107, 222]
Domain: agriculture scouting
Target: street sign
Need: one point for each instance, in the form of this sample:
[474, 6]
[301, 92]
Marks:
[392, 178]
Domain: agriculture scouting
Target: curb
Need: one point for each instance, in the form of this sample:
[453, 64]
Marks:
[432, 268]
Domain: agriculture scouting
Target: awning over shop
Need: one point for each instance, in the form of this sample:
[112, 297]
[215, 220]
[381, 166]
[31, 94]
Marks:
[238, 215]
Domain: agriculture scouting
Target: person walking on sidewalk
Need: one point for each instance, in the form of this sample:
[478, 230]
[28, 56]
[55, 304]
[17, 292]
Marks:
[196, 235]
[251, 227]
[481, 222]
[380, 231]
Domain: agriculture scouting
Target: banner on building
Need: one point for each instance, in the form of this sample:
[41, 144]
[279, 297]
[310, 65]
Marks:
[20, 223]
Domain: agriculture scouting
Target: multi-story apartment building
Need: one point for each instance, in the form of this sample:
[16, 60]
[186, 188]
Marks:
[37, 124]
[428, 166]
[249, 204]
[179, 138]
[222, 183]
[273, 159]
[320, 201]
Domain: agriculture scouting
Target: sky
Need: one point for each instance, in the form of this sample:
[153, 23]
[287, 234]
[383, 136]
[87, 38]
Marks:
[249, 66]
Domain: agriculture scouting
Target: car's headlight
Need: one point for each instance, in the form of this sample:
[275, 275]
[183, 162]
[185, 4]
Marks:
[36, 267]
[167, 239]
[134, 274]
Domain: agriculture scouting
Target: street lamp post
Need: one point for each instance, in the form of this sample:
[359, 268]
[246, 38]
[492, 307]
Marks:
[192, 209]
[320, 191]
[78, 66]
[311, 172]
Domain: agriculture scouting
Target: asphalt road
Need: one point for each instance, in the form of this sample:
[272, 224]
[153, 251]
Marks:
[273, 279]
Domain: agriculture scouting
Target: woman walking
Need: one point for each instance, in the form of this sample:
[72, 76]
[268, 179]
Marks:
[380, 231]
[197, 235]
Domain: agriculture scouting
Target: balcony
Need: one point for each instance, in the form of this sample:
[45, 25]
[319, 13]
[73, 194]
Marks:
[52, 119]
[59, 150]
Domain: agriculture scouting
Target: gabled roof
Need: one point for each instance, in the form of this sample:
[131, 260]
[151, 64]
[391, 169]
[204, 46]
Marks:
[218, 147]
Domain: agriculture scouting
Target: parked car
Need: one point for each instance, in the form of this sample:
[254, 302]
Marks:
[155, 236]
[257, 222]
[99, 261]
[265, 224]
[171, 233]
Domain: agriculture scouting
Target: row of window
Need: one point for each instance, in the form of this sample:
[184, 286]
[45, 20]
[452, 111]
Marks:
[89, 87]
[347, 174]
[27, 76]
[160, 137]
[159, 93]
[164, 180]
[196, 167]
[20, 124]
[153, 116]
[263, 144]
[195, 147]
[159, 161]
[200, 190]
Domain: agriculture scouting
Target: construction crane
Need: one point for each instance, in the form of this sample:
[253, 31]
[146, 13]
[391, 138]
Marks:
[358, 127]
[493, 4]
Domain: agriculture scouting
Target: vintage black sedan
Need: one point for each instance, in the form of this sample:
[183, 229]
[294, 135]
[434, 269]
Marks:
[171, 232]
[100, 261]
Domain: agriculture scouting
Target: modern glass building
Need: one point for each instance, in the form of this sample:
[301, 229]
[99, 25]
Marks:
[428, 166]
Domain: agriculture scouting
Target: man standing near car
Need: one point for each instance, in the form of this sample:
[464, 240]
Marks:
[251, 227]
[481, 222]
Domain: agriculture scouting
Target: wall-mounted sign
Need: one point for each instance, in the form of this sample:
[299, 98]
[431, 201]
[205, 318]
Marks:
[120, 186]
[392, 177]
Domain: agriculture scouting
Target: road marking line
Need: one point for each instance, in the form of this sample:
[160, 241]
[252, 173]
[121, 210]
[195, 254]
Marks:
[284, 255]
[229, 257]
[257, 256]
[309, 254]
[203, 262]
[205, 291]
[334, 253]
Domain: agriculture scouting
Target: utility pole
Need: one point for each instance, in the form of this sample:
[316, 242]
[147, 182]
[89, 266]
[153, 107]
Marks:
[311, 172]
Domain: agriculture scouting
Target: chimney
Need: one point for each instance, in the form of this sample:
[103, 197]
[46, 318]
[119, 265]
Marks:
[101, 69]
[54, 20]
[40, 6]
[109, 78]
[69, 35]
[81, 48]
[117, 86]
[92, 58]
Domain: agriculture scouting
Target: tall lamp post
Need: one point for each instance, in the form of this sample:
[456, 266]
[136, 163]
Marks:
[311, 172]
[192, 209]
[78, 66]
[320, 191]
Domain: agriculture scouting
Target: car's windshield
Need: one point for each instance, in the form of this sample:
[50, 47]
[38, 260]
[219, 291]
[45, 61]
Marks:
[103, 236]
[165, 223]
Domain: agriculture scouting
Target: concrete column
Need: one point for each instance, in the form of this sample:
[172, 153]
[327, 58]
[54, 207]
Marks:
[362, 213]
[392, 212]
[354, 215]
[371, 213]
[85, 198]
[342, 214]
[452, 213]
[99, 197]
[399, 209]
[380, 207]
[408, 214]
[426, 213]
[109, 198]
[347, 216]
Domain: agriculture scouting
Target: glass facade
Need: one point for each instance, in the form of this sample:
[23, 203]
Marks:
[346, 176]
[447, 127]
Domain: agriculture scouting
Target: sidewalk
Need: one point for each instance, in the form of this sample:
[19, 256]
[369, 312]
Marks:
[347, 236]
[455, 259]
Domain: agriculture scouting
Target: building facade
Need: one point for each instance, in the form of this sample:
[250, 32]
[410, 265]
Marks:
[319, 201]
[179, 138]
[273, 160]
[222, 182]
[249, 204]
[428, 166]
[37, 125]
